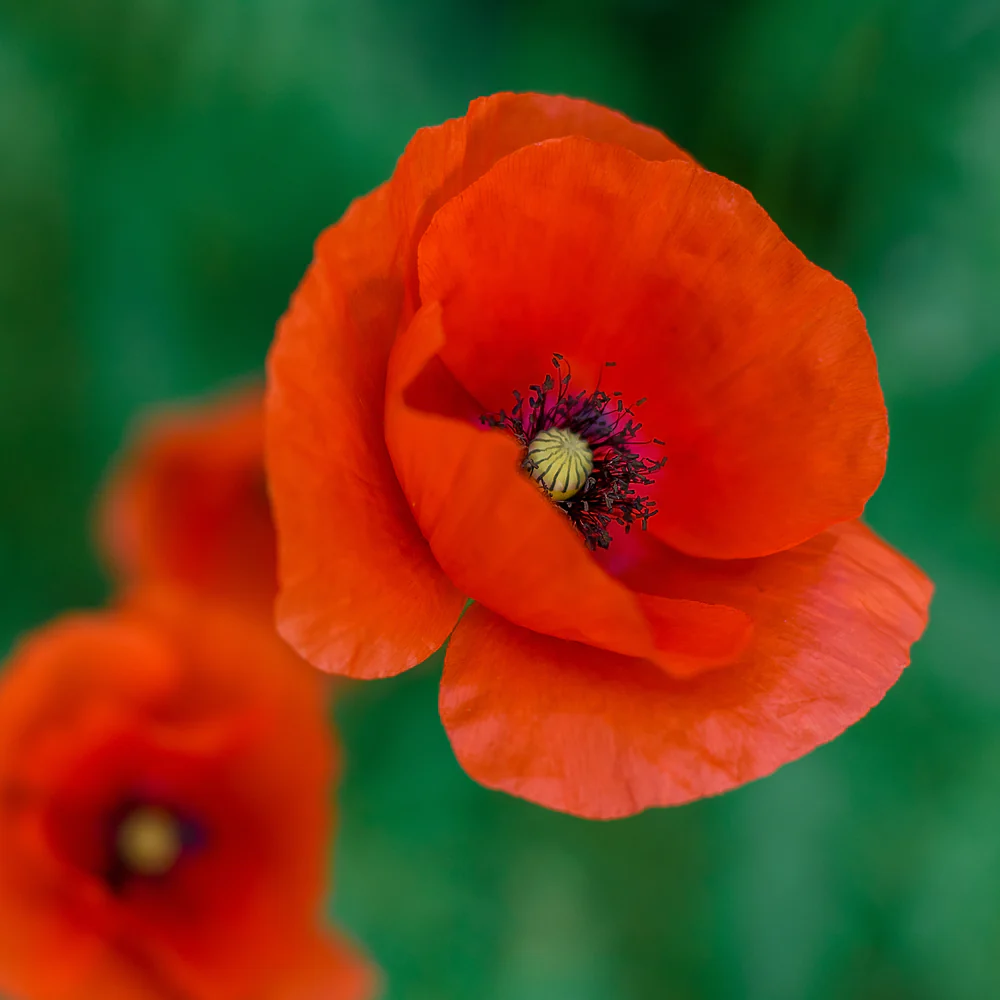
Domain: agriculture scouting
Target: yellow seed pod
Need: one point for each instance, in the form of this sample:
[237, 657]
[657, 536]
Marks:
[561, 461]
[149, 840]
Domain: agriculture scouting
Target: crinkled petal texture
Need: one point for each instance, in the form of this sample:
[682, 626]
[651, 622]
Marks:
[441, 161]
[501, 540]
[603, 735]
[754, 619]
[187, 503]
[361, 593]
[755, 366]
[199, 711]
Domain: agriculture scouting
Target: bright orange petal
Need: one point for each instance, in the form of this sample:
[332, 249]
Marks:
[187, 502]
[442, 160]
[201, 708]
[504, 543]
[330, 968]
[600, 735]
[501, 123]
[492, 530]
[360, 593]
[755, 365]
[691, 637]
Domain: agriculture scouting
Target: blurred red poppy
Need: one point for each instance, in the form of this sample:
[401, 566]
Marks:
[164, 813]
[187, 502]
[548, 331]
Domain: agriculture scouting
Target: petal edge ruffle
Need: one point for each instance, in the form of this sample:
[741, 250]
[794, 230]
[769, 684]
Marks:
[600, 735]
[360, 593]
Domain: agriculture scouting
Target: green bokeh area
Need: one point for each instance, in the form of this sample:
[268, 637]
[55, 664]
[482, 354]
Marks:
[164, 168]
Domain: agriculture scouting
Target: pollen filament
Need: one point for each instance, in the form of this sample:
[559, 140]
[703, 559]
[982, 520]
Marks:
[582, 448]
[149, 840]
[561, 460]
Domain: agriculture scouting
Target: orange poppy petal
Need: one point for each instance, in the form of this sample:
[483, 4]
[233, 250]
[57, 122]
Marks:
[693, 636]
[502, 542]
[187, 502]
[110, 975]
[491, 530]
[600, 735]
[440, 161]
[330, 968]
[755, 364]
[206, 710]
[360, 592]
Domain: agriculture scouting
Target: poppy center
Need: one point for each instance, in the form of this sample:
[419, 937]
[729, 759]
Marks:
[583, 449]
[561, 461]
[149, 840]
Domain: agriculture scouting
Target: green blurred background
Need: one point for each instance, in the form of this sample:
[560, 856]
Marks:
[164, 168]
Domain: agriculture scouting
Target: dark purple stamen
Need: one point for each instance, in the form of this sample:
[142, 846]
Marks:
[609, 428]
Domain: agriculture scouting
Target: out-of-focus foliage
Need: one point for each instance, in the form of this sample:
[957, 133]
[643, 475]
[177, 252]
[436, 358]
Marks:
[164, 167]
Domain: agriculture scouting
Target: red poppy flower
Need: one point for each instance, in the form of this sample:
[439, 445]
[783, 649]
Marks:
[187, 503]
[164, 813]
[551, 326]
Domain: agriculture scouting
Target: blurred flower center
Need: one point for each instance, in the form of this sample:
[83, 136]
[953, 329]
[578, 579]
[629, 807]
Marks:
[149, 840]
[581, 448]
